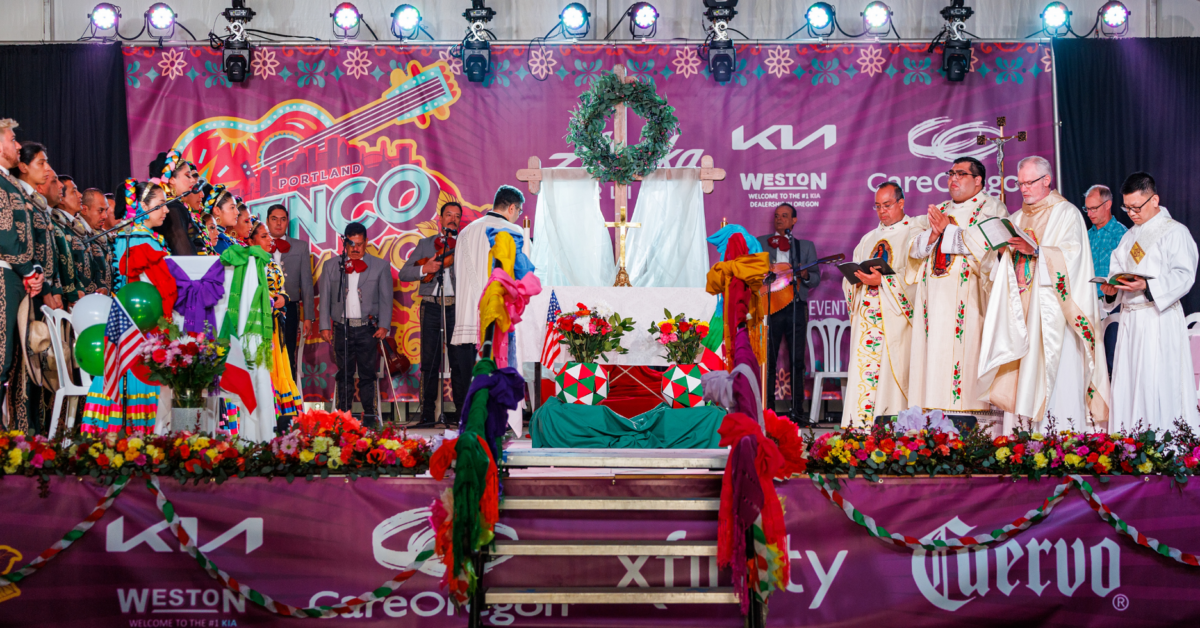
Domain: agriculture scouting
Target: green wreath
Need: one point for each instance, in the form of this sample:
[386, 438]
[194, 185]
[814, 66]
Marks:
[586, 131]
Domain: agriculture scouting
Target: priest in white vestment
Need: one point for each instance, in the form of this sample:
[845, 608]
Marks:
[881, 311]
[951, 266]
[471, 259]
[1040, 356]
[1153, 383]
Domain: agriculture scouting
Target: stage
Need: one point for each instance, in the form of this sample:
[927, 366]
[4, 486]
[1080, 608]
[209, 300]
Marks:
[598, 532]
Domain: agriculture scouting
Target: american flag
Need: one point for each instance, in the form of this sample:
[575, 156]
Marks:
[550, 347]
[122, 344]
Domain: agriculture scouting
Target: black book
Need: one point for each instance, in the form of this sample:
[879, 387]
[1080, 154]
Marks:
[849, 268]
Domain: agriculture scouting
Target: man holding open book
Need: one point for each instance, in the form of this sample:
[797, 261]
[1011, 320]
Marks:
[1152, 268]
[881, 311]
[1041, 354]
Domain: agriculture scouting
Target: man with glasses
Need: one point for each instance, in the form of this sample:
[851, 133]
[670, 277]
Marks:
[881, 311]
[951, 265]
[1104, 235]
[1040, 357]
[471, 258]
[1153, 366]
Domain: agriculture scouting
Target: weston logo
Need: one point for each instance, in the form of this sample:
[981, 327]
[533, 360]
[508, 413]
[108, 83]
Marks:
[784, 133]
[116, 541]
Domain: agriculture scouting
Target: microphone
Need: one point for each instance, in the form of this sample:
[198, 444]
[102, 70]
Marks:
[198, 186]
[451, 232]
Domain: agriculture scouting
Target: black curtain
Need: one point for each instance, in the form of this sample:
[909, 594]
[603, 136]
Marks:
[70, 97]
[1128, 105]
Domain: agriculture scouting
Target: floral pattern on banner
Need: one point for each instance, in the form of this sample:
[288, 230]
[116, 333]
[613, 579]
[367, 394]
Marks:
[172, 63]
[357, 64]
[870, 61]
[454, 63]
[541, 62]
[779, 61]
[918, 71]
[686, 62]
[264, 64]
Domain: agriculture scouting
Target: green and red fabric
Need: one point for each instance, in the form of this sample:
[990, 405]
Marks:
[585, 383]
[681, 386]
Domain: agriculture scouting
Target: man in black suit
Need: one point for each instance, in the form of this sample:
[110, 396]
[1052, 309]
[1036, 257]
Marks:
[785, 251]
[295, 257]
[356, 314]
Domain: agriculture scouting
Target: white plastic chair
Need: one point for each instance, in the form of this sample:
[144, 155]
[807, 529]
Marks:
[1192, 319]
[66, 387]
[1192, 333]
[830, 331]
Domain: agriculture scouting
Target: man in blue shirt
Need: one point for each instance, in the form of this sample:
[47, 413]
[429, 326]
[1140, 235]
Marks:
[1104, 236]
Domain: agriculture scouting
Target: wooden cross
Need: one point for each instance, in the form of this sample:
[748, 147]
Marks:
[1000, 141]
[621, 226]
[708, 173]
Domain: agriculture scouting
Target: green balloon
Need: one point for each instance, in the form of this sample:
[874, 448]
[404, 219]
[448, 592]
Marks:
[89, 350]
[143, 302]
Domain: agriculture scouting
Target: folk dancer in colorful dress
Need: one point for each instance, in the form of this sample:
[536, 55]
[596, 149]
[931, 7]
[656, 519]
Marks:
[182, 228]
[222, 206]
[136, 406]
[287, 398]
[1041, 356]
[881, 312]
[951, 274]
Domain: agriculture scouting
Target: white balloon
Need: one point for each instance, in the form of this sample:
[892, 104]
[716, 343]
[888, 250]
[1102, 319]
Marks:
[90, 310]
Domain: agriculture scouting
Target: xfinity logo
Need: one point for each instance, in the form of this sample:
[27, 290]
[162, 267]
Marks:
[952, 143]
[974, 576]
[763, 140]
[115, 540]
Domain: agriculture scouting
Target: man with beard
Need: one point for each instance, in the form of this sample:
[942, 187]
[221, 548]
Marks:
[1039, 357]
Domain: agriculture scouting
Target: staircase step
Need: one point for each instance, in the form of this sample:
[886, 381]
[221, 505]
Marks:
[607, 595]
[605, 548]
[618, 458]
[594, 503]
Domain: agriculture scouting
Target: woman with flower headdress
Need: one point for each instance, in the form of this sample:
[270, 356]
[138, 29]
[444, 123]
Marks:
[245, 224]
[181, 228]
[136, 406]
[222, 205]
[287, 398]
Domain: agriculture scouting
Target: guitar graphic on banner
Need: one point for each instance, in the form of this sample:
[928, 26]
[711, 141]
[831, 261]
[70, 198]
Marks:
[239, 153]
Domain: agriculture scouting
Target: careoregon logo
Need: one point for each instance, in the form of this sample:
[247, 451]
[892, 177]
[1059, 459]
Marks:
[8, 559]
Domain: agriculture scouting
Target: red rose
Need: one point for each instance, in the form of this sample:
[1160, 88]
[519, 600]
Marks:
[159, 356]
[666, 328]
[102, 460]
[703, 332]
[564, 324]
[191, 349]
[577, 328]
[1093, 457]
[1126, 466]
[1000, 441]
[684, 326]
[925, 452]
[1018, 449]
[888, 445]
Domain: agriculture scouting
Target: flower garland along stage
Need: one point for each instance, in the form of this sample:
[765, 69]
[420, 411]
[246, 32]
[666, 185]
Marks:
[586, 130]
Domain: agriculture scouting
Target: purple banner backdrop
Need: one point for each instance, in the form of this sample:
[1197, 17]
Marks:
[314, 543]
[385, 134]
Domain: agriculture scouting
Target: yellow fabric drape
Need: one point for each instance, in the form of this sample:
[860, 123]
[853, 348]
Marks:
[491, 304]
[750, 269]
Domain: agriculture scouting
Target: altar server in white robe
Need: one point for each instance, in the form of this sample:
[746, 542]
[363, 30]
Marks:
[471, 258]
[1152, 373]
[951, 272]
[881, 310]
[1040, 357]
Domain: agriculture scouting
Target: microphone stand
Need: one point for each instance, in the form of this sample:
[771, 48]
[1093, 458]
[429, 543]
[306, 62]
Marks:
[443, 347]
[139, 215]
[344, 291]
[797, 387]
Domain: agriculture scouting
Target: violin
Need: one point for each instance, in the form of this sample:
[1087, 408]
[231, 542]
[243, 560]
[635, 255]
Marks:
[444, 245]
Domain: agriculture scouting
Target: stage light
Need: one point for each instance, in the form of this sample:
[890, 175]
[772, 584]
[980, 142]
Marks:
[722, 60]
[1114, 19]
[475, 51]
[160, 20]
[1056, 19]
[722, 56]
[406, 22]
[877, 18]
[235, 60]
[575, 20]
[346, 20]
[643, 20]
[105, 17]
[956, 59]
[820, 17]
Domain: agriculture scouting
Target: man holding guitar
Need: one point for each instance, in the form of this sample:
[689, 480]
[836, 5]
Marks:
[789, 303]
[432, 263]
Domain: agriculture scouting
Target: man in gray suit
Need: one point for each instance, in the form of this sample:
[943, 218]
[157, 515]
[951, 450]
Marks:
[785, 251]
[436, 298]
[356, 313]
[295, 257]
